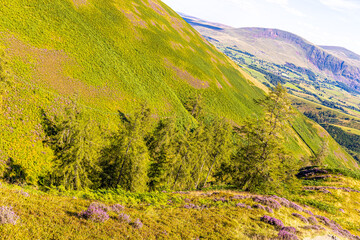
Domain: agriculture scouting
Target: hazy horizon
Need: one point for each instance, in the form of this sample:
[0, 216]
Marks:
[322, 22]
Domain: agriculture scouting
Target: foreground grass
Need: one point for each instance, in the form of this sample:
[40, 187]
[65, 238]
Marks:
[54, 214]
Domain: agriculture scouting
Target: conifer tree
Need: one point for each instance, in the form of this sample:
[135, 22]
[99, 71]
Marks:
[201, 149]
[194, 105]
[219, 145]
[190, 147]
[181, 161]
[162, 150]
[126, 160]
[260, 159]
[75, 147]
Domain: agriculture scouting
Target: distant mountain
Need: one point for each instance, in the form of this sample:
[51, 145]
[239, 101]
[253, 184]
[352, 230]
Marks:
[282, 47]
[343, 53]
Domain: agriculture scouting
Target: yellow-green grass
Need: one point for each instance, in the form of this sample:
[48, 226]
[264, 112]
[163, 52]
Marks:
[349, 130]
[345, 119]
[54, 215]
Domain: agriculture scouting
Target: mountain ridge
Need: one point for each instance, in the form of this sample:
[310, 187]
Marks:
[342, 69]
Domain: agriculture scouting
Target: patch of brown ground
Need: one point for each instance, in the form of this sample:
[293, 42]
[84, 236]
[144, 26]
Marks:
[213, 60]
[322, 133]
[153, 23]
[164, 27]
[79, 3]
[224, 77]
[193, 50]
[135, 8]
[179, 27]
[175, 22]
[226, 80]
[341, 156]
[176, 46]
[157, 8]
[49, 67]
[183, 74]
[135, 19]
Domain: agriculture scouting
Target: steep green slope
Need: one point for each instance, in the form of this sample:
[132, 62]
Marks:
[111, 55]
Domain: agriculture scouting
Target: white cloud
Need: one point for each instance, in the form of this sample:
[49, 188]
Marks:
[340, 5]
[294, 11]
[280, 2]
[285, 5]
[244, 4]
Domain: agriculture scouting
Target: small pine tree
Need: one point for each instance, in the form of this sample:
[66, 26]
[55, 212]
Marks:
[75, 147]
[161, 147]
[180, 172]
[125, 162]
[260, 161]
[220, 145]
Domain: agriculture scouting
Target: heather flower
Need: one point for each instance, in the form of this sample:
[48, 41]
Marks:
[308, 212]
[137, 224]
[7, 215]
[312, 220]
[327, 221]
[301, 217]
[243, 205]
[191, 206]
[289, 229]
[124, 218]
[272, 221]
[117, 208]
[267, 201]
[220, 199]
[269, 210]
[25, 194]
[180, 192]
[100, 205]
[239, 197]
[314, 227]
[259, 206]
[285, 235]
[95, 213]
[283, 201]
[296, 207]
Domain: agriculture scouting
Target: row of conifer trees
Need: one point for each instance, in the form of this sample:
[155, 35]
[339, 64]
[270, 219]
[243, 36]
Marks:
[147, 154]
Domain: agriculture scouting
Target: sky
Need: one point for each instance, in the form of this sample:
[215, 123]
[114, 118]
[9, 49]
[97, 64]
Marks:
[323, 22]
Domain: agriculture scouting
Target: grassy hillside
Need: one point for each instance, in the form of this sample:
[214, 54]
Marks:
[185, 215]
[109, 56]
[342, 127]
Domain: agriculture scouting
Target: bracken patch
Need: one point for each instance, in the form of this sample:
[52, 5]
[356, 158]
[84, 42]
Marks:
[80, 3]
[183, 74]
[7, 215]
